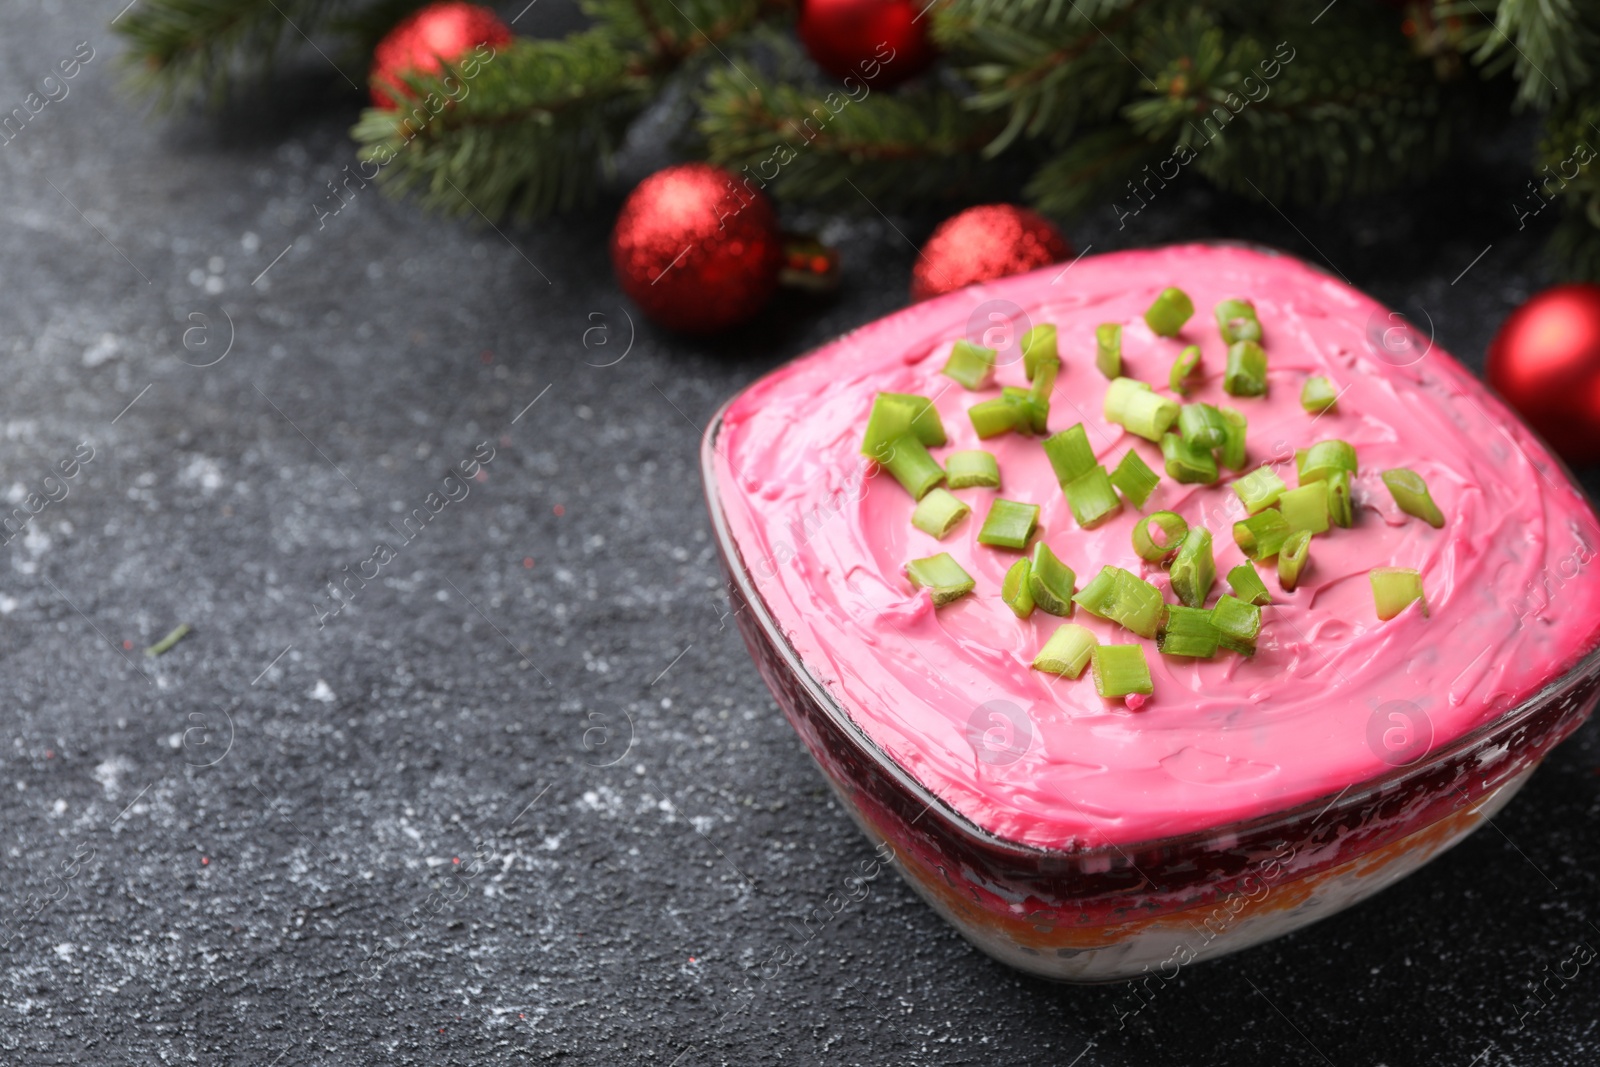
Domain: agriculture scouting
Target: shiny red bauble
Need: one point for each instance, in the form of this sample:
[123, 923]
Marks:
[984, 243]
[696, 249]
[1545, 362]
[879, 42]
[446, 31]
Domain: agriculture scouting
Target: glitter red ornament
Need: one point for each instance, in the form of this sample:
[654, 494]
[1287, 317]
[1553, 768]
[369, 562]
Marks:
[983, 243]
[881, 42]
[1545, 362]
[697, 250]
[444, 31]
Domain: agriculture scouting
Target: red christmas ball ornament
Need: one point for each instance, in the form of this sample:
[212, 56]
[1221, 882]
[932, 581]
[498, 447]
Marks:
[697, 250]
[983, 243]
[444, 31]
[1545, 362]
[880, 42]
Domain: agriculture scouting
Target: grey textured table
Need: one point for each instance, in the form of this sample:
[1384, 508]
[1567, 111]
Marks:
[406, 833]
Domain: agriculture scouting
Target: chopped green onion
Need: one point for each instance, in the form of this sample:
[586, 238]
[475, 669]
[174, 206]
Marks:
[1246, 372]
[1124, 598]
[1069, 453]
[1194, 570]
[909, 462]
[1236, 321]
[1030, 412]
[938, 513]
[1306, 508]
[963, 470]
[1044, 383]
[1135, 478]
[1340, 509]
[895, 414]
[1108, 349]
[1120, 670]
[1039, 346]
[1260, 489]
[1292, 559]
[971, 365]
[1262, 535]
[167, 643]
[1188, 632]
[1248, 586]
[1172, 308]
[1323, 458]
[1051, 581]
[1233, 451]
[1009, 524]
[1016, 590]
[1393, 590]
[1318, 395]
[1187, 463]
[1092, 498]
[1202, 426]
[942, 576]
[1135, 407]
[1411, 493]
[1182, 368]
[991, 418]
[1238, 624]
[1067, 651]
[1172, 527]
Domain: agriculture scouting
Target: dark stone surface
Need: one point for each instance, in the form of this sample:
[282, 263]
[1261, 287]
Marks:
[299, 900]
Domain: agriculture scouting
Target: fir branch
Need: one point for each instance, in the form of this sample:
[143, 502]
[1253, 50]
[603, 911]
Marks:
[1547, 44]
[1568, 174]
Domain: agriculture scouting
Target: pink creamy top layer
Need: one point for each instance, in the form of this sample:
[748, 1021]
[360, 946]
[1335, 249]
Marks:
[1043, 760]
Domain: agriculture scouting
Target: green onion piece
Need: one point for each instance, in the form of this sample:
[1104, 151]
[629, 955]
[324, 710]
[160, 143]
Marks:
[1236, 321]
[1009, 524]
[1067, 651]
[964, 470]
[1323, 458]
[1120, 670]
[1238, 624]
[1246, 372]
[1108, 349]
[1135, 478]
[991, 418]
[1182, 368]
[1318, 395]
[1029, 411]
[1233, 452]
[1016, 590]
[1069, 453]
[909, 462]
[938, 513]
[1340, 509]
[1202, 426]
[971, 365]
[1306, 508]
[1123, 598]
[1188, 632]
[1092, 498]
[1393, 590]
[1172, 527]
[1194, 570]
[1262, 535]
[167, 643]
[1186, 463]
[1248, 586]
[942, 576]
[1132, 405]
[1292, 559]
[1172, 308]
[894, 414]
[1039, 346]
[1044, 383]
[1260, 489]
[1051, 581]
[1411, 493]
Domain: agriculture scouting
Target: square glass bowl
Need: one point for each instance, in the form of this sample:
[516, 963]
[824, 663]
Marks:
[1117, 911]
